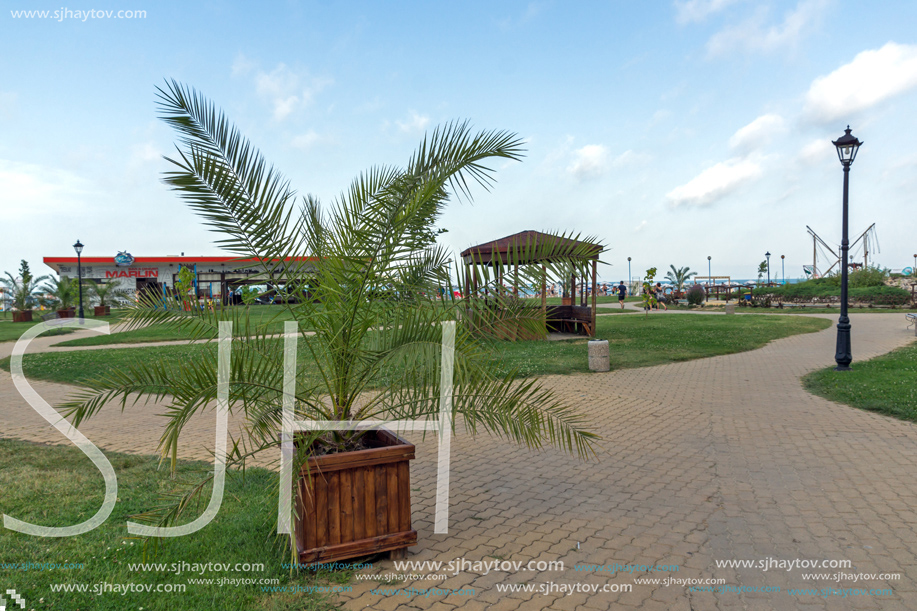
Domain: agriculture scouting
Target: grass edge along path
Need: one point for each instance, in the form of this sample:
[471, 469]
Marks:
[886, 384]
[58, 486]
[634, 341]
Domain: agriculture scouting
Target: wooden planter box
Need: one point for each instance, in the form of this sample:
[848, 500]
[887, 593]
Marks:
[22, 316]
[69, 313]
[102, 310]
[356, 503]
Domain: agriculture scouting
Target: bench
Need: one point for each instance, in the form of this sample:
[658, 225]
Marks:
[912, 320]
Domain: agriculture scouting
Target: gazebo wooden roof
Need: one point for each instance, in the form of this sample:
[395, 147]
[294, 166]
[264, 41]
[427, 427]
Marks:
[541, 249]
[528, 247]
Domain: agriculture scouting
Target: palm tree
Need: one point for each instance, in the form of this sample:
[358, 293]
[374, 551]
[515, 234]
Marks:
[64, 292]
[108, 293]
[367, 358]
[24, 290]
[679, 277]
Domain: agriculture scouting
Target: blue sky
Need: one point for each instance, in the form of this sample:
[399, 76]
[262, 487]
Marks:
[669, 130]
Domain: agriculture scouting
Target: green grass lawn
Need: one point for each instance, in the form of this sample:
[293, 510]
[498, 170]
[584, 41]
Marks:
[58, 486]
[11, 331]
[269, 318]
[635, 341]
[639, 341]
[599, 299]
[836, 310]
[886, 384]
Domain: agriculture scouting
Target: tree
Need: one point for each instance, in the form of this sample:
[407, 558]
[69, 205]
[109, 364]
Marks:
[364, 358]
[762, 269]
[649, 295]
[24, 290]
[109, 293]
[248, 294]
[64, 292]
[679, 277]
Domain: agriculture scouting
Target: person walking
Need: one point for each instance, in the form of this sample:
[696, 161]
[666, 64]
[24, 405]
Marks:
[660, 297]
[622, 293]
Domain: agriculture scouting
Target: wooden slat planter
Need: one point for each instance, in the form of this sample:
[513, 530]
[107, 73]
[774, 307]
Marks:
[22, 316]
[356, 503]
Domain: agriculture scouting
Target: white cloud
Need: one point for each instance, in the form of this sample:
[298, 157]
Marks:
[695, 11]
[817, 151]
[38, 193]
[659, 116]
[287, 91]
[873, 76]
[242, 66]
[629, 159]
[756, 134]
[142, 153]
[591, 161]
[306, 140]
[533, 10]
[754, 35]
[415, 124]
[7, 104]
[715, 182]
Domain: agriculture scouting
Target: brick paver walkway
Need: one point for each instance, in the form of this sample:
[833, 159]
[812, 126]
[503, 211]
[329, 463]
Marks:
[725, 458]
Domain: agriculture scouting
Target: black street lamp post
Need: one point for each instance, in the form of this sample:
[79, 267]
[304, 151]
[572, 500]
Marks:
[78, 247]
[783, 267]
[768, 255]
[847, 146]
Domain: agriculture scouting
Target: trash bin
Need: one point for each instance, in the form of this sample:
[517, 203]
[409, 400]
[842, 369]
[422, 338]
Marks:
[598, 355]
[730, 308]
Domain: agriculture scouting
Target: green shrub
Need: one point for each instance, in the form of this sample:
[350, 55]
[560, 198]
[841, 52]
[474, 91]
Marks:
[869, 276]
[823, 288]
[696, 295]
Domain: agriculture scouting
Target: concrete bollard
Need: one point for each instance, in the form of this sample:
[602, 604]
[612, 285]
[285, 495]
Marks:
[598, 355]
[730, 308]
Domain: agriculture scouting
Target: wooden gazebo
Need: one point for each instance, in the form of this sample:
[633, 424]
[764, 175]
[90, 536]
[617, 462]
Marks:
[528, 248]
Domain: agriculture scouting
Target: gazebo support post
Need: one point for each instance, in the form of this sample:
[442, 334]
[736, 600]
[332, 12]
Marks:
[544, 292]
[594, 299]
[516, 281]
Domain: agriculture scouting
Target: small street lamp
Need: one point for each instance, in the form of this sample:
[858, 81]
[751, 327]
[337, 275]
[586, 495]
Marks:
[709, 273]
[629, 278]
[783, 267]
[847, 147]
[768, 255]
[78, 247]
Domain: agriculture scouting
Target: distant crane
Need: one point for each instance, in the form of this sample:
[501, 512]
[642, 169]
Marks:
[832, 257]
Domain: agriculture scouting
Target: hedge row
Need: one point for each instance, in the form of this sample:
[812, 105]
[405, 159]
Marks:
[808, 291]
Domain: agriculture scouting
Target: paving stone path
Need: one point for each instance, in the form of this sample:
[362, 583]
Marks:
[712, 460]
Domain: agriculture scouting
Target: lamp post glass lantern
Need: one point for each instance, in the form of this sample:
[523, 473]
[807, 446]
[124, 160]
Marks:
[847, 147]
[78, 247]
